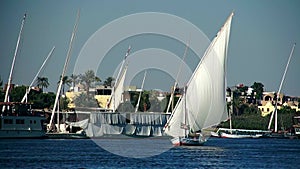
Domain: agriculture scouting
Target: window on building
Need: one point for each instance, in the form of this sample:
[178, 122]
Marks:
[20, 121]
[268, 109]
[103, 92]
[8, 121]
[268, 98]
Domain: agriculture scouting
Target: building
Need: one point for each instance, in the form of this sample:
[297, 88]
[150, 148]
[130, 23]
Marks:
[270, 100]
[102, 95]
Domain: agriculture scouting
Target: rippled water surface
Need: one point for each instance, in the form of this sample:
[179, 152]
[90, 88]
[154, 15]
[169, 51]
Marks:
[148, 153]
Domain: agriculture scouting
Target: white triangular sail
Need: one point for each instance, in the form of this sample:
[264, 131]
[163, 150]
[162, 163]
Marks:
[116, 97]
[206, 90]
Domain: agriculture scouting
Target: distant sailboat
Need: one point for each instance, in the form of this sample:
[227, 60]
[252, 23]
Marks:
[274, 113]
[118, 88]
[97, 124]
[237, 133]
[203, 102]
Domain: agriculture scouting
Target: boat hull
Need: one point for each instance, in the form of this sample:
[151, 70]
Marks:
[21, 127]
[66, 136]
[186, 141]
[7, 134]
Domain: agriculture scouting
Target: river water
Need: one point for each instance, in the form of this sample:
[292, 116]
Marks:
[150, 153]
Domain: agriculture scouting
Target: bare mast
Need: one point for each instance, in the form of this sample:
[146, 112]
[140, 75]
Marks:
[29, 87]
[177, 76]
[140, 95]
[14, 59]
[64, 69]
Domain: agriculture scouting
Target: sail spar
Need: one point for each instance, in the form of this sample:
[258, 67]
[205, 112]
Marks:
[205, 95]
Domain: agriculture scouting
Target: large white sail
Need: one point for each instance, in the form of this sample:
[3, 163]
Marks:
[206, 90]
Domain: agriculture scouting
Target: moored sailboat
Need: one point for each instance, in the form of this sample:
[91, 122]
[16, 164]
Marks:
[17, 119]
[274, 133]
[59, 130]
[203, 102]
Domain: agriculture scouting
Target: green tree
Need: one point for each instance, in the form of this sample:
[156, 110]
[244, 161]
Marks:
[145, 103]
[2, 95]
[88, 78]
[41, 100]
[17, 93]
[65, 81]
[259, 89]
[108, 81]
[42, 82]
[84, 101]
[74, 80]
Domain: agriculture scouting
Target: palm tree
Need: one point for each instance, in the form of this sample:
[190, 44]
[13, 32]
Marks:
[259, 89]
[65, 81]
[108, 81]
[42, 82]
[74, 80]
[88, 78]
[236, 102]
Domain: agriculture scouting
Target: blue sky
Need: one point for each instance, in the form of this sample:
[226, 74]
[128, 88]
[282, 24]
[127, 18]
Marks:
[262, 35]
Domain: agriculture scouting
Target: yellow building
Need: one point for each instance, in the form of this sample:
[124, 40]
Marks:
[102, 95]
[268, 103]
[266, 109]
[71, 95]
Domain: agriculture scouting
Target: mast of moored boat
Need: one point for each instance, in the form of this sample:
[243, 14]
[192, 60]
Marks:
[140, 94]
[186, 126]
[171, 101]
[64, 70]
[279, 90]
[230, 112]
[13, 62]
[29, 87]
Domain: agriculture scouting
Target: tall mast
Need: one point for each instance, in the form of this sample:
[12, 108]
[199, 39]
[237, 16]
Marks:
[185, 112]
[279, 90]
[177, 76]
[138, 102]
[64, 68]
[14, 59]
[37, 74]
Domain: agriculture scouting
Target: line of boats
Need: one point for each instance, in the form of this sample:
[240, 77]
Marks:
[202, 105]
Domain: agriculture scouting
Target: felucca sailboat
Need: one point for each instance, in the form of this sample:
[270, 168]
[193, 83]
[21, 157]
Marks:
[203, 103]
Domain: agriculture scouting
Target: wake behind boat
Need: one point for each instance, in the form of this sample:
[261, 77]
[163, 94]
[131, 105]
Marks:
[239, 133]
[203, 102]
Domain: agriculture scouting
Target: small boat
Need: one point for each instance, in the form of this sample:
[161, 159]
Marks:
[240, 133]
[202, 103]
[195, 139]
